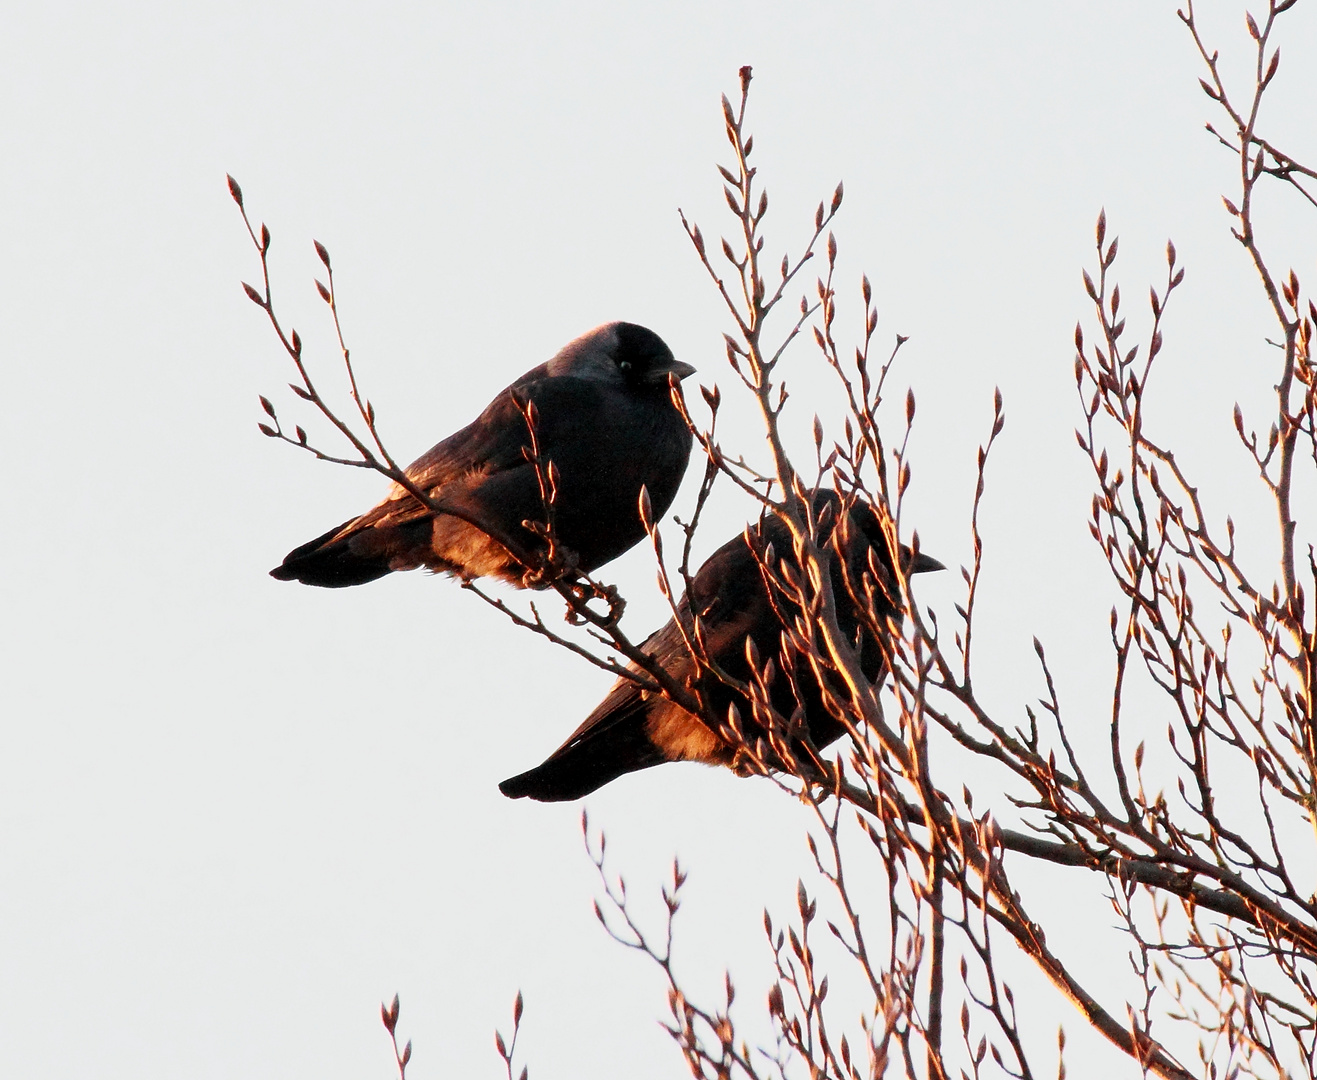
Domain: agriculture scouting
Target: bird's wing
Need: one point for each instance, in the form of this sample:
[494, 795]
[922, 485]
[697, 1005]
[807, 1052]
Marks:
[490, 443]
[625, 701]
[633, 728]
[610, 742]
[585, 766]
[728, 605]
[489, 453]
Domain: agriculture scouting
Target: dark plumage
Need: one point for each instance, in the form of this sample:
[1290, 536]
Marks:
[605, 419]
[632, 729]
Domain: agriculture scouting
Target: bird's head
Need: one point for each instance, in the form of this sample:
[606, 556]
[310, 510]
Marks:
[620, 351]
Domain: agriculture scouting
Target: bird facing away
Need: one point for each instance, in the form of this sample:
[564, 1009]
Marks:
[634, 729]
[606, 421]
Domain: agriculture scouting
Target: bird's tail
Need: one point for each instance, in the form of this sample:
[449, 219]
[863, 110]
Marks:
[341, 557]
[588, 761]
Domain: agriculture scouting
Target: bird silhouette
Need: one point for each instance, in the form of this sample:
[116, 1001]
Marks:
[604, 418]
[741, 616]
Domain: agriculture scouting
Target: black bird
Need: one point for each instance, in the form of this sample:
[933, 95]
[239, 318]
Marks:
[605, 419]
[634, 729]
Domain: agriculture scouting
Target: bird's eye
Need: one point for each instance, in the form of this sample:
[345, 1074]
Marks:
[625, 367]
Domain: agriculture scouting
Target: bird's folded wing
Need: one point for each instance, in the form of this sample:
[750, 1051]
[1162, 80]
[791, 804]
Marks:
[567, 410]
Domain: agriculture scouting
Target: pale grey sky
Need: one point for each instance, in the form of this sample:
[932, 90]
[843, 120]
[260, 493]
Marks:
[236, 814]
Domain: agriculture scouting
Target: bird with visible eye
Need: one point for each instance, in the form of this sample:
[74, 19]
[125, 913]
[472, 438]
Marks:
[605, 419]
[741, 616]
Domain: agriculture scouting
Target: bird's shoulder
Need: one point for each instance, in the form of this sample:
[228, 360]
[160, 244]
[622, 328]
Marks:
[729, 582]
[492, 441]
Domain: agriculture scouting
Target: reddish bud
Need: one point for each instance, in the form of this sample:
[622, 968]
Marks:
[1271, 68]
[234, 190]
[646, 509]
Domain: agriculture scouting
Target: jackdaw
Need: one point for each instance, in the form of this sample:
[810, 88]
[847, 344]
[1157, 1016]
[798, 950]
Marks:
[634, 729]
[604, 418]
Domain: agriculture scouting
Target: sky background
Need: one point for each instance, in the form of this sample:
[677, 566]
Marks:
[236, 814]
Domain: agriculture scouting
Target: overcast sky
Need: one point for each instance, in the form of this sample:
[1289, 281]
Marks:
[236, 814]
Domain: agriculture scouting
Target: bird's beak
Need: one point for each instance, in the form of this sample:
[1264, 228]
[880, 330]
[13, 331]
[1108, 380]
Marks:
[676, 368]
[923, 564]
